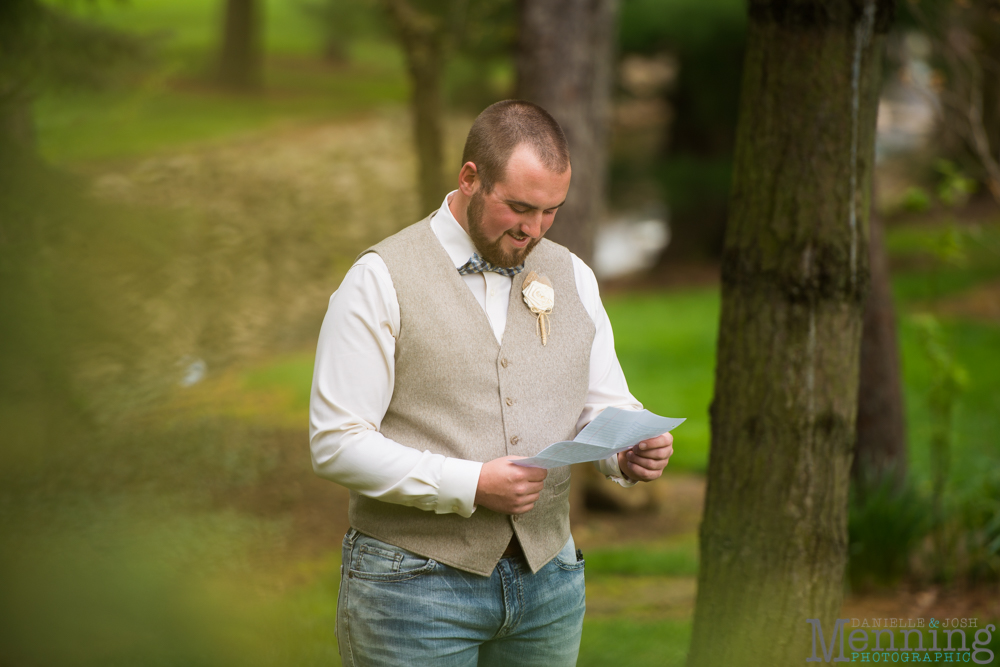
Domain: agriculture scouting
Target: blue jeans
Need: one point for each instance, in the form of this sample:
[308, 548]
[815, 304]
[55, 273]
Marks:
[398, 608]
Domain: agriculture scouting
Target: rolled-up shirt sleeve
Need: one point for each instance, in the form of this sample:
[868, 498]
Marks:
[352, 385]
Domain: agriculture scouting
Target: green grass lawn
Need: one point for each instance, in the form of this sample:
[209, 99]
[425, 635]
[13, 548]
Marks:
[176, 105]
[161, 115]
[666, 346]
[634, 642]
[195, 25]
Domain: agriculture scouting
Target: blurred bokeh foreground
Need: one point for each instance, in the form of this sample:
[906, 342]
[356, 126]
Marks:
[175, 215]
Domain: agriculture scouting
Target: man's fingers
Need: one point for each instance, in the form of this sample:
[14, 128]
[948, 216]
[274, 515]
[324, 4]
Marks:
[659, 453]
[524, 503]
[523, 489]
[536, 474]
[659, 442]
[507, 488]
[522, 472]
[645, 466]
[640, 473]
[655, 459]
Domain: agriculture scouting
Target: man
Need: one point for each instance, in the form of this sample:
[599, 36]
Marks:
[431, 377]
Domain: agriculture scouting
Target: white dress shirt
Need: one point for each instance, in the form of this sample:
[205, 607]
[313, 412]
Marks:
[354, 377]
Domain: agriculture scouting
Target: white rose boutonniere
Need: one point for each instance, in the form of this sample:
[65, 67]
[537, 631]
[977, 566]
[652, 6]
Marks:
[539, 297]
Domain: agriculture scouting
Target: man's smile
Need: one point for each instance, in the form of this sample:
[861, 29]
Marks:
[519, 240]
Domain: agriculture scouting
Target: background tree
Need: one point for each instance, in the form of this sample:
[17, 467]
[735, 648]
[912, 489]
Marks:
[965, 40]
[706, 38]
[241, 58]
[44, 48]
[341, 21]
[427, 31]
[565, 63]
[795, 273]
[880, 446]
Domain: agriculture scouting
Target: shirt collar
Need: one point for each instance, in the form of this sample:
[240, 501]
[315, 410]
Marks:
[456, 241]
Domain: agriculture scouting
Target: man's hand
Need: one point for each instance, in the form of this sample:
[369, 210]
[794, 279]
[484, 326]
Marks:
[646, 461]
[507, 488]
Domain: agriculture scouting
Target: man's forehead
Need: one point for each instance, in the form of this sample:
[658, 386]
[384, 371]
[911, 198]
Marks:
[528, 182]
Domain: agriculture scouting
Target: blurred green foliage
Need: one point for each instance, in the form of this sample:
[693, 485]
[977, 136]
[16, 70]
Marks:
[979, 508]
[915, 200]
[42, 46]
[937, 260]
[886, 523]
[482, 70]
[948, 380]
[707, 39]
[341, 22]
[954, 187]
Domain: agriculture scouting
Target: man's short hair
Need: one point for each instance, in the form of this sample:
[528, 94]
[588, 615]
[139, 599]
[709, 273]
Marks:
[501, 128]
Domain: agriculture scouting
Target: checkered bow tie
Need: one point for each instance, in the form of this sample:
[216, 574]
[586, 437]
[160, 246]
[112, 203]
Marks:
[479, 265]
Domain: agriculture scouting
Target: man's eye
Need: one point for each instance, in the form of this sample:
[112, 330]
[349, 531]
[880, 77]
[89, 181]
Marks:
[519, 210]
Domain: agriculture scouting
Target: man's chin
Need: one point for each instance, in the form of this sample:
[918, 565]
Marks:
[501, 252]
[511, 257]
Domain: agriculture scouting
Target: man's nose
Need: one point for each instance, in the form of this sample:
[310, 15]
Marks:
[533, 225]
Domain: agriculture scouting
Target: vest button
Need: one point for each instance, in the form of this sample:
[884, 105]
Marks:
[510, 401]
[503, 362]
[514, 518]
[514, 440]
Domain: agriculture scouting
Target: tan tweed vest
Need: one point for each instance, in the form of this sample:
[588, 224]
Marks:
[461, 394]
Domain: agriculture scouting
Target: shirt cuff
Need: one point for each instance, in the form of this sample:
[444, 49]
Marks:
[609, 468]
[457, 492]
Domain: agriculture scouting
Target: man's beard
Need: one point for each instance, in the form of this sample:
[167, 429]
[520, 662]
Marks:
[492, 251]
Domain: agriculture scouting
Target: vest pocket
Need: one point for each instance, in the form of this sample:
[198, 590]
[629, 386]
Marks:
[560, 487]
[378, 563]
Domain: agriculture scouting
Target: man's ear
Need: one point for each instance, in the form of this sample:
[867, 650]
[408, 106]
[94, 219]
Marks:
[468, 179]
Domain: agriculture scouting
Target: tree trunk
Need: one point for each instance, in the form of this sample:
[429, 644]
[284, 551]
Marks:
[565, 63]
[426, 66]
[987, 35]
[426, 41]
[795, 273]
[881, 426]
[241, 59]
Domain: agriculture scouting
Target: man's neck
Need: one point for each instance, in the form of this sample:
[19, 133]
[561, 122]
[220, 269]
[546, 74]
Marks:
[458, 204]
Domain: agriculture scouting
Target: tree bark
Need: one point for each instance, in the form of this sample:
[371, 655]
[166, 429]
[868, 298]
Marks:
[565, 63]
[241, 58]
[794, 278]
[427, 106]
[426, 35]
[881, 427]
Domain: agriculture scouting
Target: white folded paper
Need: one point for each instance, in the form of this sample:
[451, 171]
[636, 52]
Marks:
[614, 430]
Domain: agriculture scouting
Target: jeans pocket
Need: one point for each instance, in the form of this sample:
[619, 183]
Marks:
[378, 561]
[570, 558]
